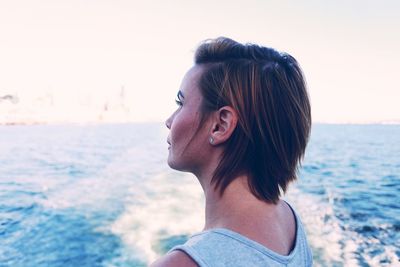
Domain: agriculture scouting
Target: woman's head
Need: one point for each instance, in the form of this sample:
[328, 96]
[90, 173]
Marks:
[267, 91]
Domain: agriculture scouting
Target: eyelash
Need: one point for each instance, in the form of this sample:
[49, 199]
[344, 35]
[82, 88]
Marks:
[178, 102]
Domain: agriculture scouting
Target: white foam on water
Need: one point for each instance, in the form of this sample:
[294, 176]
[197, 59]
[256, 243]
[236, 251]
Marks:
[107, 186]
[68, 196]
[387, 258]
[323, 229]
[168, 204]
[338, 246]
[389, 255]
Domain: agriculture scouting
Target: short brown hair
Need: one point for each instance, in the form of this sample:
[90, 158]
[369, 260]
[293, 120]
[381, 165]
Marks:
[268, 91]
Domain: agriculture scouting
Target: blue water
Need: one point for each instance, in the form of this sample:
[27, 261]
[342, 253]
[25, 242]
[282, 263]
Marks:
[103, 195]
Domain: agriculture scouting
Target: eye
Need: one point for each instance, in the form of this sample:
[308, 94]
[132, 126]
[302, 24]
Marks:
[178, 99]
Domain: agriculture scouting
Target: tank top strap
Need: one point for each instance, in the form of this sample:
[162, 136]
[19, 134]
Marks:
[223, 247]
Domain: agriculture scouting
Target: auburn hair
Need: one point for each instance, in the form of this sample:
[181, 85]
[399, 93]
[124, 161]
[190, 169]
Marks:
[268, 91]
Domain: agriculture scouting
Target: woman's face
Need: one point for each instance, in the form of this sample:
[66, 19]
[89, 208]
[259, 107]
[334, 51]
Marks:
[187, 146]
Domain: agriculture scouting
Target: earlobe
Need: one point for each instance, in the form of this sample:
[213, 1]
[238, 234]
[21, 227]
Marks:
[211, 140]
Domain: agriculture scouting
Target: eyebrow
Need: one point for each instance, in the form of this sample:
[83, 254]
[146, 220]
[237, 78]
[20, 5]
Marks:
[180, 95]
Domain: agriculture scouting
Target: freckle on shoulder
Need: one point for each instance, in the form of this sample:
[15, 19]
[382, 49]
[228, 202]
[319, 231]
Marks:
[175, 258]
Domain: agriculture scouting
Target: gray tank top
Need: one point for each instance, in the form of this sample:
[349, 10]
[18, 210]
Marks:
[223, 247]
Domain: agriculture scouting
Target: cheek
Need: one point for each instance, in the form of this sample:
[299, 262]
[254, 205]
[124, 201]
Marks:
[184, 127]
[179, 128]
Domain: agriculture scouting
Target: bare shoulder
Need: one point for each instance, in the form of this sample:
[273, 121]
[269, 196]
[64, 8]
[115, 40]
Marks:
[175, 258]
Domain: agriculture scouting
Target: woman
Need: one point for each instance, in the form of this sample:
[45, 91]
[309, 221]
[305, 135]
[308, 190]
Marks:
[241, 128]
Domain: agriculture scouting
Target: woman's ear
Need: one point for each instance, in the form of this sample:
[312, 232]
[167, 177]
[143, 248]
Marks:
[225, 121]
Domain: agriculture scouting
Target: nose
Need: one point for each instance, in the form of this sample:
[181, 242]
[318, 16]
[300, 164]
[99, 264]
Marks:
[168, 122]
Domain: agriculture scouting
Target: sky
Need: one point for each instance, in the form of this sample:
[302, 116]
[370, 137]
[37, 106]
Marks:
[74, 58]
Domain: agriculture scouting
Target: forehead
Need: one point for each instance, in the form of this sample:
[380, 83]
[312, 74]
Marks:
[190, 82]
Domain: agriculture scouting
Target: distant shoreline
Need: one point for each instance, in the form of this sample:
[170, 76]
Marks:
[34, 123]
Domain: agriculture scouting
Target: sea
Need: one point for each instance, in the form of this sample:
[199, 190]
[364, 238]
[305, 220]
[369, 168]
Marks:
[103, 195]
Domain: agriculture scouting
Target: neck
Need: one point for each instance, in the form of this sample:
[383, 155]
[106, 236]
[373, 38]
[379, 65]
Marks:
[233, 209]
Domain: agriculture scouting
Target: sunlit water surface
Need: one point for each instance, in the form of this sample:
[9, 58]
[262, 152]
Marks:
[103, 195]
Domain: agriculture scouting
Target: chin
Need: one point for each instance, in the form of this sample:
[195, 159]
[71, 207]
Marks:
[172, 164]
[176, 166]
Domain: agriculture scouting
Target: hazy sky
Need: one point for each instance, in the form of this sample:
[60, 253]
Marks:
[84, 51]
